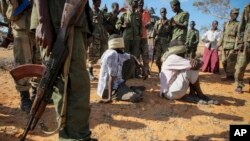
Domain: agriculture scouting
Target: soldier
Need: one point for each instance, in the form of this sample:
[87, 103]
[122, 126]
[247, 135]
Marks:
[112, 18]
[162, 35]
[192, 40]
[24, 52]
[99, 39]
[130, 24]
[144, 43]
[228, 41]
[243, 48]
[77, 86]
[179, 22]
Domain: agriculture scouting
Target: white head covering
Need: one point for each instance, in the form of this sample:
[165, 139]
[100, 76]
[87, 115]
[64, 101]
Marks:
[116, 43]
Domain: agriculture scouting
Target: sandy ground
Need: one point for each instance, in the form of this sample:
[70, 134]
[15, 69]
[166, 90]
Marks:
[154, 119]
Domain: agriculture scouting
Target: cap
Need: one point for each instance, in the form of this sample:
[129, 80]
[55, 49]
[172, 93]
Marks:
[235, 11]
[174, 2]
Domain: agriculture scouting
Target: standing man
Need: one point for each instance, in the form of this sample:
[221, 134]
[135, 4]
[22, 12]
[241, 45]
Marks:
[74, 79]
[162, 35]
[112, 18]
[23, 48]
[210, 54]
[144, 42]
[179, 22]
[192, 40]
[228, 41]
[99, 41]
[130, 24]
[243, 48]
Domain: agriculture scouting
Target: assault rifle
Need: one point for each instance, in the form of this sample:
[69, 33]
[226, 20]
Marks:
[54, 66]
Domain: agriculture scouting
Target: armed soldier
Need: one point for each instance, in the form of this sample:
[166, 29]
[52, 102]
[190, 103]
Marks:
[24, 47]
[192, 40]
[227, 41]
[130, 24]
[162, 35]
[243, 48]
[73, 79]
[145, 16]
[99, 41]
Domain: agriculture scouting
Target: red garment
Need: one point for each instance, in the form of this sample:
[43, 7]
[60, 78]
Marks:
[145, 19]
[211, 61]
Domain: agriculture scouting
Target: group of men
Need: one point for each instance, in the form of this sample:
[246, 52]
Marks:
[120, 42]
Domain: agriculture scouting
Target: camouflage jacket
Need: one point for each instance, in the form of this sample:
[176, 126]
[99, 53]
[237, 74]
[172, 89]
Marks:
[162, 31]
[180, 33]
[192, 38]
[133, 32]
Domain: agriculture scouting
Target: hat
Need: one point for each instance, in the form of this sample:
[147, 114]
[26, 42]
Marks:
[174, 2]
[235, 11]
[179, 49]
[116, 43]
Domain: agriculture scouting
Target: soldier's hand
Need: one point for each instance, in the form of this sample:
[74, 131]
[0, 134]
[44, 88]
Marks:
[195, 64]
[172, 21]
[127, 24]
[44, 36]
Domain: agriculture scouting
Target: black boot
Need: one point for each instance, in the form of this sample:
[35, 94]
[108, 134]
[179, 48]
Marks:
[25, 101]
[91, 74]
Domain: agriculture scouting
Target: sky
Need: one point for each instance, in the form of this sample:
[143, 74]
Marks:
[195, 15]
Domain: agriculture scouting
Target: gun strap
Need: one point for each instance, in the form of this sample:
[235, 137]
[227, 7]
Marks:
[70, 42]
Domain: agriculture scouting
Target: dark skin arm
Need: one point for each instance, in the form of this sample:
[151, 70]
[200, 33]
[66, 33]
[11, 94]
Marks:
[109, 99]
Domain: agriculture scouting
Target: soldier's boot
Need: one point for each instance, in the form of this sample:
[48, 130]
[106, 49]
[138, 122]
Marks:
[25, 101]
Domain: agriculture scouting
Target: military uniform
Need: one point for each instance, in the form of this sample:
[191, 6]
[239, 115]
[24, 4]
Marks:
[243, 57]
[228, 41]
[192, 42]
[99, 41]
[78, 88]
[24, 49]
[178, 32]
[162, 34]
[112, 18]
[132, 33]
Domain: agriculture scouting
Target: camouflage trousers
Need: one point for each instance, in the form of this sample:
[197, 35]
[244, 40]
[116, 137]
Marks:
[243, 60]
[144, 55]
[159, 51]
[191, 52]
[96, 49]
[229, 58]
[25, 52]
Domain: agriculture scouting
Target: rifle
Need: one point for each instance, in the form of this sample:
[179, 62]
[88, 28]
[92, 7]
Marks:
[53, 67]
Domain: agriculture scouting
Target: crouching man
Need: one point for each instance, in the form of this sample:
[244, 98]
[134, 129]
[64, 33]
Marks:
[178, 74]
[112, 77]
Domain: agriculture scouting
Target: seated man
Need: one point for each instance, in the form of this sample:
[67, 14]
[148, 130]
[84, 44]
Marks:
[112, 77]
[178, 74]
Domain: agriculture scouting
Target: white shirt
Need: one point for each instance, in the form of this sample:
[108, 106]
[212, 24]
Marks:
[170, 69]
[111, 65]
[213, 36]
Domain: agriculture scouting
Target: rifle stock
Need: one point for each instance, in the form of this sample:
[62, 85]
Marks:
[27, 70]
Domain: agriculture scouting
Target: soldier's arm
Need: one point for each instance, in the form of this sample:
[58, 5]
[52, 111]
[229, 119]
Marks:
[3, 9]
[183, 25]
[220, 43]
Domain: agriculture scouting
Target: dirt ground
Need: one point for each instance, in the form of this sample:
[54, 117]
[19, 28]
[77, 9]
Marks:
[154, 119]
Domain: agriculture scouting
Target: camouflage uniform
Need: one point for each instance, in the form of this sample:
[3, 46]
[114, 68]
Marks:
[180, 33]
[99, 41]
[243, 57]
[162, 34]
[131, 34]
[228, 41]
[192, 42]
[112, 18]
